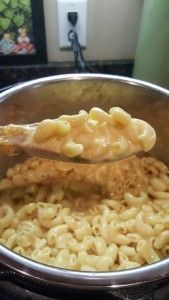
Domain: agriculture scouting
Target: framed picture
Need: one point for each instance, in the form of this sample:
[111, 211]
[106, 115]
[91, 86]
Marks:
[22, 32]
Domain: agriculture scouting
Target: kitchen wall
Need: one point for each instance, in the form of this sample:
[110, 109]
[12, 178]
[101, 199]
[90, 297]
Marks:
[112, 30]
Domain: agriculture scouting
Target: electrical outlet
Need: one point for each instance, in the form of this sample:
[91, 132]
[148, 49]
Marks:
[65, 6]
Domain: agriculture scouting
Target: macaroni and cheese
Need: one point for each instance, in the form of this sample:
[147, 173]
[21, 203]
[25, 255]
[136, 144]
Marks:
[87, 217]
[94, 136]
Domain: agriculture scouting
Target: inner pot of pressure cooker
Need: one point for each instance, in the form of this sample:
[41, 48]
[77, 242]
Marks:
[86, 225]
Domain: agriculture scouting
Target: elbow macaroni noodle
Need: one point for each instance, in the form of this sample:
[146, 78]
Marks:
[87, 218]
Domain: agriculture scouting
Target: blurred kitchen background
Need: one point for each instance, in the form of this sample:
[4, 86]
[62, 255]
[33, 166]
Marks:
[124, 37]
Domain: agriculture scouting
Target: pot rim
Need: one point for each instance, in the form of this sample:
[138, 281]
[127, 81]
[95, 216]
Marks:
[84, 280]
[26, 267]
[82, 76]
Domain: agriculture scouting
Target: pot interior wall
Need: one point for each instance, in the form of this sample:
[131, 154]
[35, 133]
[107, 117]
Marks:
[51, 99]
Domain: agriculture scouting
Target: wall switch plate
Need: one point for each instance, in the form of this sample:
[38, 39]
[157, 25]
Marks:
[65, 6]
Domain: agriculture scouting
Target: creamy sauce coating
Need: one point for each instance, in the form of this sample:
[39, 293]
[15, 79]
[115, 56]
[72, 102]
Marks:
[96, 135]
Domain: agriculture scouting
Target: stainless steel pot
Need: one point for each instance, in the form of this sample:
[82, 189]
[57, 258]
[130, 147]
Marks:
[48, 98]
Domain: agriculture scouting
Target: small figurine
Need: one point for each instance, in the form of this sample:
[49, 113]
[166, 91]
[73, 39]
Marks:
[7, 45]
[24, 46]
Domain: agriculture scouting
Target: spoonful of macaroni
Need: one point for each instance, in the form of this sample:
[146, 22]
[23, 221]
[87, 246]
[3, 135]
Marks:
[91, 137]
